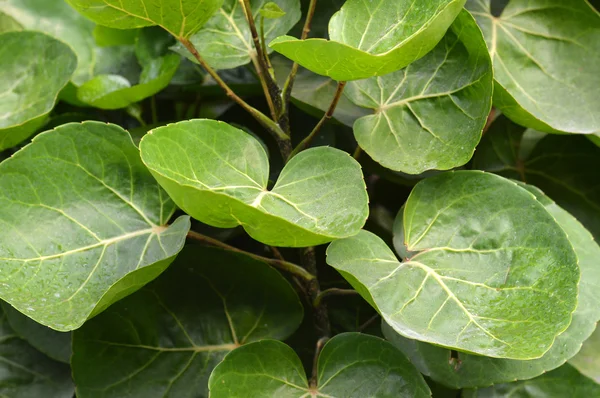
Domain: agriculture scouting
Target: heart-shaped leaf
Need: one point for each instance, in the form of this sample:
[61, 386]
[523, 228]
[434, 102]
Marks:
[485, 265]
[26, 372]
[83, 224]
[34, 68]
[168, 337]
[351, 365]
[560, 383]
[373, 38]
[225, 42]
[218, 174]
[546, 55]
[587, 360]
[467, 371]
[181, 18]
[429, 115]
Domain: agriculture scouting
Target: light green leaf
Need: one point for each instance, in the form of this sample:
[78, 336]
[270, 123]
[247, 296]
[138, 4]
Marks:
[272, 11]
[587, 361]
[106, 37]
[34, 68]
[373, 38]
[560, 383]
[351, 365]
[219, 174]
[181, 18]
[83, 224]
[429, 115]
[487, 266]
[26, 372]
[464, 370]
[56, 345]
[226, 42]
[167, 338]
[545, 55]
[8, 23]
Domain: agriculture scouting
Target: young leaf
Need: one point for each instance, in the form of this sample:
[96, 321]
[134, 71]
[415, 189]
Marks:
[373, 38]
[272, 11]
[226, 42]
[351, 365]
[429, 115]
[26, 372]
[488, 265]
[83, 224]
[218, 175]
[562, 382]
[545, 55]
[167, 338]
[468, 371]
[587, 360]
[33, 69]
[181, 18]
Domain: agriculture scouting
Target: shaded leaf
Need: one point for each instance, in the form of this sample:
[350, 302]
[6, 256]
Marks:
[587, 361]
[166, 339]
[226, 42]
[152, 43]
[463, 370]
[373, 38]
[181, 18]
[487, 266]
[27, 373]
[545, 55]
[106, 37]
[219, 175]
[34, 68]
[429, 115]
[351, 365]
[83, 224]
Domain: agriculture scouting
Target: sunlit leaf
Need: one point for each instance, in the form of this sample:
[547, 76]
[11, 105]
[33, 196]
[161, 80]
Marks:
[83, 224]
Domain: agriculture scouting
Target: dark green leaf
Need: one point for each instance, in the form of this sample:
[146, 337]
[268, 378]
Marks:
[429, 115]
[351, 365]
[219, 175]
[106, 37]
[487, 266]
[83, 224]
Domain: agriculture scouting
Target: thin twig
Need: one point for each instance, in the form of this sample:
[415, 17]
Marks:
[314, 376]
[328, 115]
[368, 323]
[276, 253]
[293, 269]
[332, 292]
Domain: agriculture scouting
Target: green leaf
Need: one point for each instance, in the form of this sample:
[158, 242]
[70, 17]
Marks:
[464, 370]
[351, 365]
[27, 373]
[564, 167]
[181, 18]
[545, 55]
[271, 10]
[429, 115]
[219, 174]
[116, 92]
[56, 345]
[226, 42]
[83, 224]
[167, 338]
[34, 68]
[560, 383]
[106, 37]
[152, 43]
[487, 266]
[587, 360]
[373, 38]
[8, 23]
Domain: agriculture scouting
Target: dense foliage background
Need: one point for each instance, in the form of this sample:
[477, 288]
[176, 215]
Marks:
[244, 198]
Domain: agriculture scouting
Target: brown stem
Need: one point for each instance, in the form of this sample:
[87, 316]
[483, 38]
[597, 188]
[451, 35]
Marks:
[332, 292]
[286, 266]
[328, 115]
[314, 377]
[321, 316]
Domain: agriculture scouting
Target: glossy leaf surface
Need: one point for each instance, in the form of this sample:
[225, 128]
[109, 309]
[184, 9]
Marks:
[167, 338]
[350, 365]
[83, 224]
[463, 370]
[34, 68]
[489, 269]
[225, 42]
[429, 115]
[26, 372]
[373, 38]
[545, 55]
[180, 17]
[218, 175]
